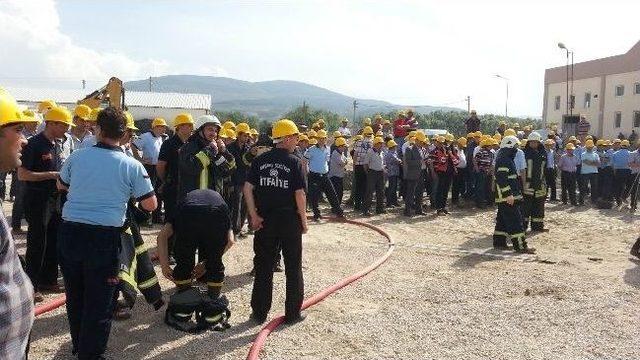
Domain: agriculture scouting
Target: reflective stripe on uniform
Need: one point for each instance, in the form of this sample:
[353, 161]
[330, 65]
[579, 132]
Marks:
[537, 219]
[204, 175]
[514, 176]
[517, 236]
[215, 284]
[213, 319]
[502, 169]
[500, 233]
[182, 282]
[140, 249]
[147, 284]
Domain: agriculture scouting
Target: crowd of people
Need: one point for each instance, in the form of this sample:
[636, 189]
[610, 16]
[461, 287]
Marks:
[85, 183]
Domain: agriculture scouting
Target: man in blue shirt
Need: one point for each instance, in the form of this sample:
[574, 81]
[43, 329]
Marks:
[99, 180]
[149, 143]
[621, 170]
[589, 171]
[318, 157]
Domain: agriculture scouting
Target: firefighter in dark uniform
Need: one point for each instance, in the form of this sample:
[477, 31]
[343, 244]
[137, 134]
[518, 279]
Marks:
[204, 160]
[238, 149]
[535, 188]
[276, 203]
[509, 218]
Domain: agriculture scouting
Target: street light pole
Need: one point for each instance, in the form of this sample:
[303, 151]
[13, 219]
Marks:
[573, 96]
[506, 103]
[568, 102]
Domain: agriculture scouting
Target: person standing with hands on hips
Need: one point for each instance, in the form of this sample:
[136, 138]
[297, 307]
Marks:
[275, 196]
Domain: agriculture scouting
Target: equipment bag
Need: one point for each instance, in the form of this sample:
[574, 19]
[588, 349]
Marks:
[191, 303]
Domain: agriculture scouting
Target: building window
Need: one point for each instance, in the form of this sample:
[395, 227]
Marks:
[637, 89]
[587, 100]
[557, 102]
[636, 119]
[620, 90]
[617, 119]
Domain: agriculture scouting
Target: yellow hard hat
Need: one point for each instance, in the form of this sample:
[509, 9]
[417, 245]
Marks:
[83, 112]
[477, 134]
[313, 141]
[320, 121]
[470, 135]
[516, 126]
[46, 105]
[94, 114]
[510, 132]
[367, 121]
[158, 122]
[378, 116]
[625, 142]
[184, 118]
[485, 142]
[282, 128]
[321, 134]
[312, 134]
[600, 142]
[523, 143]
[462, 142]
[588, 144]
[367, 131]
[29, 115]
[9, 111]
[231, 134]
[588, 137]
[303, 137]
[386, 122]
[570, 146]
[607, 143]
[254, 132]
[59, 114]
[615, 141]
[449, 137]
[337, 134]
[340, 142]
[131, 124]
[379, 133]
[573, 138]
[550, 142]
[223, 134]
[358, 137]
[420, 136]
[243, 128]
[578, 142]
[229, 125]
[413, 133]
[378, 140]
[391, 143]
[497, 137]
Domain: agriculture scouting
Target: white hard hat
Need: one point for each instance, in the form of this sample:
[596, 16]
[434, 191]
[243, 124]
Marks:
[534, 136]
[207, 119]
[509, 142]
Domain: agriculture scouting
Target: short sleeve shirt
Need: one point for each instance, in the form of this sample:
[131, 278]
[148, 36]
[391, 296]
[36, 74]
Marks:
[101, 180]
[150, 145]
[318, 159]
[590, 156]
[276, 175]
[169, 154]
[42, 155]
[214, 204]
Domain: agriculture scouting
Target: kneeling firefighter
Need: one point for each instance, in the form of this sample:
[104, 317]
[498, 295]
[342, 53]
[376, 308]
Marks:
[509, 218]
[202, 222]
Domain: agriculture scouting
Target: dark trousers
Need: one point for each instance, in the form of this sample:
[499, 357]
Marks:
[338, 186]
[318, 184]
[568, 186]
[392, 190]
[238, 209]
[43, 219]
[509, 226]
[457, 186]
[442, 191]
[89, 262]
[605, 181]
[279, 232]
[589, 180]
[156, 215]
[469, 182]
[550, 178]
[481, 189]
[533, 212]
[202, 229]
[621, 183]
[170, 199]
[17, 212]
[633, 191]
[375, 183]
[360, 180]
[414, 190]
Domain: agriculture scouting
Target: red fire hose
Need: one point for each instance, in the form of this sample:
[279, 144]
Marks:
[51, 305]
[258, 343]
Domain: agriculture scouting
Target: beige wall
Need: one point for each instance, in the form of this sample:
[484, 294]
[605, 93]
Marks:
[580, 87]
[626, 104]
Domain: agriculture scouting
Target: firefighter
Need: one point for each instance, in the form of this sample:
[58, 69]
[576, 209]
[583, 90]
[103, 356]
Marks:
[535, 189]
[238, 149]
[276, 203]
[509, 221]
[204, 160]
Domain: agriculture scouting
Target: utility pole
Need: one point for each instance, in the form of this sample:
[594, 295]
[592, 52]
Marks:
[84, 84]
[149, 83]
[355, 106]
[468, 100]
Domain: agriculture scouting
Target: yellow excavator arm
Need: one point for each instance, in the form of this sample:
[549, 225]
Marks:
[111, 94]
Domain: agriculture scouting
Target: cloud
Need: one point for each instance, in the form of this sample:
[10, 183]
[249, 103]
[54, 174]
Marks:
[36, 51]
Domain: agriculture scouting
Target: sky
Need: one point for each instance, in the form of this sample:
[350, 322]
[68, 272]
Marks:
[405, 52]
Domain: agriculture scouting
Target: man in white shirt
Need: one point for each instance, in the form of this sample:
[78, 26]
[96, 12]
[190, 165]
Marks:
[344, 129]
[149, 144]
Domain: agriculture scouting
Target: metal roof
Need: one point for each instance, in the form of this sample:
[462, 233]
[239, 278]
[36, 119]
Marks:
[132, 98]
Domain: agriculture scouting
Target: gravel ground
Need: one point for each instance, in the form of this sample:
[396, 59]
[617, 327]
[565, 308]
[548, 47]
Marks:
[444, 294]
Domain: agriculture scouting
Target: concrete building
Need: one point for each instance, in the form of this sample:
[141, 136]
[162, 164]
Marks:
[607, 93]
[142, 105]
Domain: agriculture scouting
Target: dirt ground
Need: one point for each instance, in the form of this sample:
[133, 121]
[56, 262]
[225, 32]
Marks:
[443, 294]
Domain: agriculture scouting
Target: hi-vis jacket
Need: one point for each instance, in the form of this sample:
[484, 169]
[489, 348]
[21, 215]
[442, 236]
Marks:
[200, 167]
[136, 269]
[534, 181]
[506, 178]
